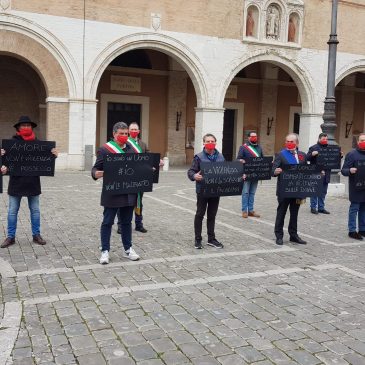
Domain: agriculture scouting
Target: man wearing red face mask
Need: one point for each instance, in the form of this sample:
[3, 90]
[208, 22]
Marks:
[318, 201]
[287, 156]
[250, 149]
[28, 186]
[356, 197]
[125, 203]
[209, 154]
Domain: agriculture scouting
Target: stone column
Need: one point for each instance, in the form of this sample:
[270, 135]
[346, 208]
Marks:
[177, 91]
[310, 128]
[208, 120]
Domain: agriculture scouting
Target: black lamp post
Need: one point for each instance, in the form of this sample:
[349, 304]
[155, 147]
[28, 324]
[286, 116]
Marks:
[329, 116]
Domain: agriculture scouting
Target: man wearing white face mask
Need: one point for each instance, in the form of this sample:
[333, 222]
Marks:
[209, 205]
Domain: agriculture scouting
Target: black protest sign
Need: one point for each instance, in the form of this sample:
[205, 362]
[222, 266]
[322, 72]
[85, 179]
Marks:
[300, 181]
[156, 157]
[29, 158]
[329, 157]
[258, 168]
[1, 177]
[360, 175]
[127, 173]
[221, 178]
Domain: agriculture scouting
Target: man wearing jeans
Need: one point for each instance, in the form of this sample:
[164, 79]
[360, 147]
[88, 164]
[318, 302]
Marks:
[125, 203]
[356, 197]
[28, 186]
[249, 149]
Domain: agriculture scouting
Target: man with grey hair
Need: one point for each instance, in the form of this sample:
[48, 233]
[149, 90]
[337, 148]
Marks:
[287, 156]
[125, 203]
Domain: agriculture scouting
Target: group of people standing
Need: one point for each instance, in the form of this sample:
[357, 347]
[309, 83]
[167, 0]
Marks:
[126, 140]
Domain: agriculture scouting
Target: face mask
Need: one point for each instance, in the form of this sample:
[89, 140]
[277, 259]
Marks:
[210, 146]
[122, 139]
[253, 139]
[323, 142]
[134, 134]
[290, 145]
[25, 131]
[361, 145]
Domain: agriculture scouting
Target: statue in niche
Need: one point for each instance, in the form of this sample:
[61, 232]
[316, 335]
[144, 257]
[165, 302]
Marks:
[250, 24]
[272, 23]
[291, 30]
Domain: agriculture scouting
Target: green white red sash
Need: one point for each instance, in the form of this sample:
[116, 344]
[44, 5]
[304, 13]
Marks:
[252, 150]
[137, 148]
[113, 147]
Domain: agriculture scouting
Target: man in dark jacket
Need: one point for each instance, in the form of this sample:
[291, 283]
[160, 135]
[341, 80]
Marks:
[288, 156]
[209, 154]
[249, 149]
[125, 203]
[318, 201]
[356, 197]
[28, 186]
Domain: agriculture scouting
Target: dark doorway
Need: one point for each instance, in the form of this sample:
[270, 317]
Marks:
[122, 112]
[228, 134]
[296, 124]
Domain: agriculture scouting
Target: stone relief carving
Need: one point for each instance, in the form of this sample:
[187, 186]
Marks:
[250, 24]
[156, 21]
[4, 4]
[272, 22]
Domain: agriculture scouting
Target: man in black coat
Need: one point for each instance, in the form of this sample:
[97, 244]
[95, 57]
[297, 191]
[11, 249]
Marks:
[312, 155]
[288, 156]
[125, 203]
[28, 186]
[356, 196]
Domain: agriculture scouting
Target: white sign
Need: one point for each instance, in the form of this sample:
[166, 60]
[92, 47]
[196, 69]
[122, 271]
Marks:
[125, 83]
[231, 92]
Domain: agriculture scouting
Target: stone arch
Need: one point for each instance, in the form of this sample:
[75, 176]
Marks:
[158, 42]
[356, 66]
[295, 70]
[46, 54]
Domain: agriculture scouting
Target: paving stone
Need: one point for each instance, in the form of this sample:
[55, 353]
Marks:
[91, 359]
[142, 352]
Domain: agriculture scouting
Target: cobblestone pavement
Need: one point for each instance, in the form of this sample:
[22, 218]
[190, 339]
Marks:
[250, 303]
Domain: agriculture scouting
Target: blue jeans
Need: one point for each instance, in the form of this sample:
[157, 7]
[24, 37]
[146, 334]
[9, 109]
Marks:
[126, 215]
[248, 195]
[319, 200]
[35, 216]
[356, 209]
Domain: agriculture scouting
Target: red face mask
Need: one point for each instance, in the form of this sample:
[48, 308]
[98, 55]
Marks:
[210, 146]
[290, 145]
[253, 139]
[122, 139]
[25, 131]
[323, 142]
[134, 134]
[361, 145]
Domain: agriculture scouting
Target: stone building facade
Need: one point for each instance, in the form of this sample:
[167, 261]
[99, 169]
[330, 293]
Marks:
[180, 69]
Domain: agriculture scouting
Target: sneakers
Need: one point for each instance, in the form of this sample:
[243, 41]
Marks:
[131, 254]
[215, 243]
[198, 244]
[104, 259]
[8, 242]
[38, 239]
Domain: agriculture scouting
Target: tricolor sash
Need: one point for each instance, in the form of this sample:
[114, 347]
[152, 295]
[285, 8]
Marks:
[137, 148]
[113, 147]
[251, 150]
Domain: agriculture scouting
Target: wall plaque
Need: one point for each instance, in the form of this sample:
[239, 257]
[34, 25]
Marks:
[125, 83]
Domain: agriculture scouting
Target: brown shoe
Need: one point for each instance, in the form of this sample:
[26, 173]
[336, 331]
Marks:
[253, 214]
[39, 240]
[244, 215]
[8, 242]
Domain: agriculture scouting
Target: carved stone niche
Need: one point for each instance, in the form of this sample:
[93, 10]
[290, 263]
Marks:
[273, 23]
[5, 5]
[252, 21]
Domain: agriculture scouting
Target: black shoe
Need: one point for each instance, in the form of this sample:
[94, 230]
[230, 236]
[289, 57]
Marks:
[119, 230]
[355, 236]
[279, 241]
[198, 244]
[324, 211]
[297, 239]
[141, 229]
[214, 243]
[314, 211]
[362, 233]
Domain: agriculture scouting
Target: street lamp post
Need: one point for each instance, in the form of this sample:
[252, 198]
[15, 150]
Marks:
[329, 116]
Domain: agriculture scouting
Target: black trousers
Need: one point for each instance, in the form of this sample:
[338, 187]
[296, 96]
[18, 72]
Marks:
[138, 218]
[280, 217]
[202, 205]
